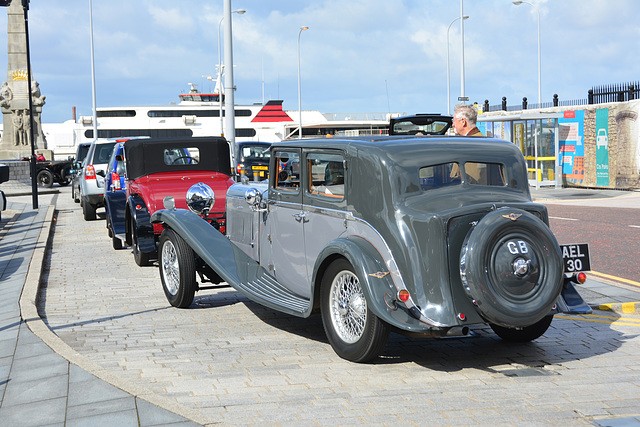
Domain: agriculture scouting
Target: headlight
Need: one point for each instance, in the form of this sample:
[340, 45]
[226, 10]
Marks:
[200, 198]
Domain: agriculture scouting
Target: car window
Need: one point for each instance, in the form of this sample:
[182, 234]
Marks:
[421, 126]
[288, 177]
[484, 173]
[255, 152]
[181, 156]
[103, 153]
[441, 175]
[326, 175]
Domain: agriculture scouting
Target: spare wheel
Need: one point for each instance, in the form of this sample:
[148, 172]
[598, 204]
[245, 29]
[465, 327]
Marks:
[511, 267]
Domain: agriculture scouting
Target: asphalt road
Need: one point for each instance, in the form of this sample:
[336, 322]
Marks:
[613, 235]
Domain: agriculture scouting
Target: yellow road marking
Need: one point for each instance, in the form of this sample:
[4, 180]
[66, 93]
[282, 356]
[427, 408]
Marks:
[619, 279]
[594, 318]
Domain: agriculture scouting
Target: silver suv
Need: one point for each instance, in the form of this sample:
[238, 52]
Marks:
[92, 177]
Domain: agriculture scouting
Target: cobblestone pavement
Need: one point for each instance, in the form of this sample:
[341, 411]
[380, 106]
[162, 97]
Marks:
[239, 363]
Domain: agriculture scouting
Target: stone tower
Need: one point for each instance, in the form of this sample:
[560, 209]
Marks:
[14, 92]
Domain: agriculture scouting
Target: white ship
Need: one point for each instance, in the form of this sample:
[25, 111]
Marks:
[198, 114]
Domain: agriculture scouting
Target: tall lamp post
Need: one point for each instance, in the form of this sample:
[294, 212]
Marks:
[538, 129]
[34, 181]
[93, 76]
[517, 3]
[299, 92]
[221, 67]
[448, 84]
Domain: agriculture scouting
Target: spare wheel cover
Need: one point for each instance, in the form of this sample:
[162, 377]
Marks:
[511, 267]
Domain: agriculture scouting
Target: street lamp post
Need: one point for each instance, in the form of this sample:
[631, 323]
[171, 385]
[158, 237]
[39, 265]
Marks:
[517, 3]
[538, 128]
[462, 96]
[93, 76]
[299, 92]
[448, 84]
[220, 69]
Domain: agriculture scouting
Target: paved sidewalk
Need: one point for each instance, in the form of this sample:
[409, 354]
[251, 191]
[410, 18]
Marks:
[38, 384]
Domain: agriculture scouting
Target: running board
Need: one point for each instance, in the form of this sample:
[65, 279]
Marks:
[235, 267]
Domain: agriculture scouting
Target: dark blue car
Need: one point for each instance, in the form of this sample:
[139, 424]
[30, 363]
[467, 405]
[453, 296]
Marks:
[114, 181]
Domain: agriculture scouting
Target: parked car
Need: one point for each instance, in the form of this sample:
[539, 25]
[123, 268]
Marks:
[252, 160]
[114, 181]
[420, 124]
[425, 236]
[4, 177]
[156, 168]
[81, 154]
[49, 172]
[92, 177]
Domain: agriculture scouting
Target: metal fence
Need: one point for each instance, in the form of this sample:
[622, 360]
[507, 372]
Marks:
[619, 92]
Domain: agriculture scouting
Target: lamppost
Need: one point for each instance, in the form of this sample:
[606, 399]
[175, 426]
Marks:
[462, 96]
[448, 84]
[517, 3]
[299, 93]
[93, 76]
[220, 69]
[538, 128]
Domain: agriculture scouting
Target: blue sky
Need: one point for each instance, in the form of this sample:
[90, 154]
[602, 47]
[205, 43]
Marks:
[357, 56]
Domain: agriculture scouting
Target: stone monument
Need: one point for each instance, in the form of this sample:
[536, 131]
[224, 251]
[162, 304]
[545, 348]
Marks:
[14, 101]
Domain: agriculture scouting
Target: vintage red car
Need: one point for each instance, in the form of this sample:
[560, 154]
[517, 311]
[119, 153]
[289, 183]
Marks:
[156, 168]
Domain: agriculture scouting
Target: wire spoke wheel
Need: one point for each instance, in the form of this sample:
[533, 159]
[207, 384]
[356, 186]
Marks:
[354, 331]
[177, 269]
[348, 307]
[169, 267]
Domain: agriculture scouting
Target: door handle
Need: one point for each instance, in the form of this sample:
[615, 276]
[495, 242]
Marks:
[300, 216]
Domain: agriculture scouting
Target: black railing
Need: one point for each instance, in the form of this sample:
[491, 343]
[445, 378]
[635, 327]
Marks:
[597, 95]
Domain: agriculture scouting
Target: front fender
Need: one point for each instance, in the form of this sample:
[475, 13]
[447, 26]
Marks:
[376, 281]
[140, 223]
[232, 264]
[116, 204]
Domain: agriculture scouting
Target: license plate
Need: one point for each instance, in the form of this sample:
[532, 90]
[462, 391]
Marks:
[576, 257]
[261, 168]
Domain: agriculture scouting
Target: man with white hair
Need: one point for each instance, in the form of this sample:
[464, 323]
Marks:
[464, 120]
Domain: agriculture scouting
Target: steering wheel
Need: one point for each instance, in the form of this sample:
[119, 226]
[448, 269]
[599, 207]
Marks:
[191, 160]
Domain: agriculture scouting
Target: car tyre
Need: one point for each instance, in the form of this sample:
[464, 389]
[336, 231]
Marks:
[511, 268]
[45, 178]
[526, 334]
[143, 259]
[177, 269]
[354, 332]
[88, 211]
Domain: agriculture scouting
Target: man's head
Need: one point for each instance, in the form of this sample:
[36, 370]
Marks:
[464, 119]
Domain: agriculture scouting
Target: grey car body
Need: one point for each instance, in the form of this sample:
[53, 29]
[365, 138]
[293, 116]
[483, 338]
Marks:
[421, 235]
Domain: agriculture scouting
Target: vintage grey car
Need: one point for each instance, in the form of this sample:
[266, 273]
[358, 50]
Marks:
[426, 236]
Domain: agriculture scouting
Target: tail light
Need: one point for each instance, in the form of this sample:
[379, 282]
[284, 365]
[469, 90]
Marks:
[90, 172]
[115, 181]
[240, 168]
[581, 277]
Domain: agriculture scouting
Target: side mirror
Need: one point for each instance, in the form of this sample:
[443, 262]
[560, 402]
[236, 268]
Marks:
[119, 158]
[101, 173]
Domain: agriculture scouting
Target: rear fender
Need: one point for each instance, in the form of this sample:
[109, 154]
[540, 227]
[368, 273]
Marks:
[140, 221]
[376, 280]
[116, 205]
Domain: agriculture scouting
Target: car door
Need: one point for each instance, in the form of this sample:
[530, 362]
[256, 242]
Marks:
[286, 223]
[324, 202]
